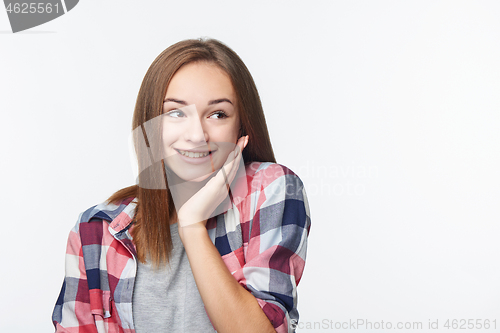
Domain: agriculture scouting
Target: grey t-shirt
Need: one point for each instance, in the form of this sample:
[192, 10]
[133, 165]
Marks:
[167, 299]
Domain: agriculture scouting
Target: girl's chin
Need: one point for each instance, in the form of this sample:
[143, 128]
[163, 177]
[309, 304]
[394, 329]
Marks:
[183, 176]
[190, 173]
[198, 179]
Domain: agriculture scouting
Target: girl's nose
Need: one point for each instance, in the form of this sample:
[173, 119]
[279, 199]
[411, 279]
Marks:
[195, 131]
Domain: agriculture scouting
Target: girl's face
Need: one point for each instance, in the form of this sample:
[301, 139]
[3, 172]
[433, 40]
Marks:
[200, 120]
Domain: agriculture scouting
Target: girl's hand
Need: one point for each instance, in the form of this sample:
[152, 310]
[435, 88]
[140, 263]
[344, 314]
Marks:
[195, 212]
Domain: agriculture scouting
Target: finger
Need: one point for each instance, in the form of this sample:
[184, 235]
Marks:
[228, 170]
[237, 156]
[223, 177]
[236, 164]
[231, 165]
[242, 143]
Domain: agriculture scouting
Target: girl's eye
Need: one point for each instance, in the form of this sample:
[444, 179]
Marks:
[175, 113]
[218, 115]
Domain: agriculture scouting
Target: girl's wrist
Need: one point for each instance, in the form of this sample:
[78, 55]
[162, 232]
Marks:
[192, 231]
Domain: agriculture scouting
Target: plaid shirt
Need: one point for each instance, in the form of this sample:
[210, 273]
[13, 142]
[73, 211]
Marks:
[262, 240]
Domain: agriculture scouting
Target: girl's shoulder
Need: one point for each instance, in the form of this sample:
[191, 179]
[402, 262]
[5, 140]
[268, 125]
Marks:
[118, 215]
[273, 182]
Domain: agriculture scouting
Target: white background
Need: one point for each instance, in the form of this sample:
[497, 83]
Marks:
[387, 110]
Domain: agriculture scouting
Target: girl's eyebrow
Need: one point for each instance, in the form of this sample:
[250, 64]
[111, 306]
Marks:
[178, 101]
[220, 100]
[212, 102]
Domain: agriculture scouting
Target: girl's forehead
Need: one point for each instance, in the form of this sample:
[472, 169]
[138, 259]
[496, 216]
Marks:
[200, 80]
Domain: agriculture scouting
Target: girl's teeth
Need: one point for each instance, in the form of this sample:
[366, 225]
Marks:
[191, 154]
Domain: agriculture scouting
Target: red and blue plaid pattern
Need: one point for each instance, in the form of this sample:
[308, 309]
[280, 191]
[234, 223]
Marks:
[262, 240]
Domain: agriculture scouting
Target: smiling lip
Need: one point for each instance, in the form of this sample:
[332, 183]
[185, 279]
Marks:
[195, 156]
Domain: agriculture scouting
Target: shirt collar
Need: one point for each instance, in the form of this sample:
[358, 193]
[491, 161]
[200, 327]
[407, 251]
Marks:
[119, 216]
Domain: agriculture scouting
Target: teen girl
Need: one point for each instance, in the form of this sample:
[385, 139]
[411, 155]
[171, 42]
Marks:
[214, 235]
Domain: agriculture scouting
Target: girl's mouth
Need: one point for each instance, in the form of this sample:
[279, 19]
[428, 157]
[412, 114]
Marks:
[193, 154]
[196, 157]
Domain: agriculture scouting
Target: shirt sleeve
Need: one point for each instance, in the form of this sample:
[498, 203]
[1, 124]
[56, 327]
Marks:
[72, 311]
[277, 244]
[80, 309]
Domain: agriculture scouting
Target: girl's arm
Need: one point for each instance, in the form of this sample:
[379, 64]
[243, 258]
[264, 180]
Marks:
[231, 307]
[260, 294]
[237, 290]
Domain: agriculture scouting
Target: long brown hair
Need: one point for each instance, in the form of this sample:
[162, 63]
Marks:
[155, 208]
